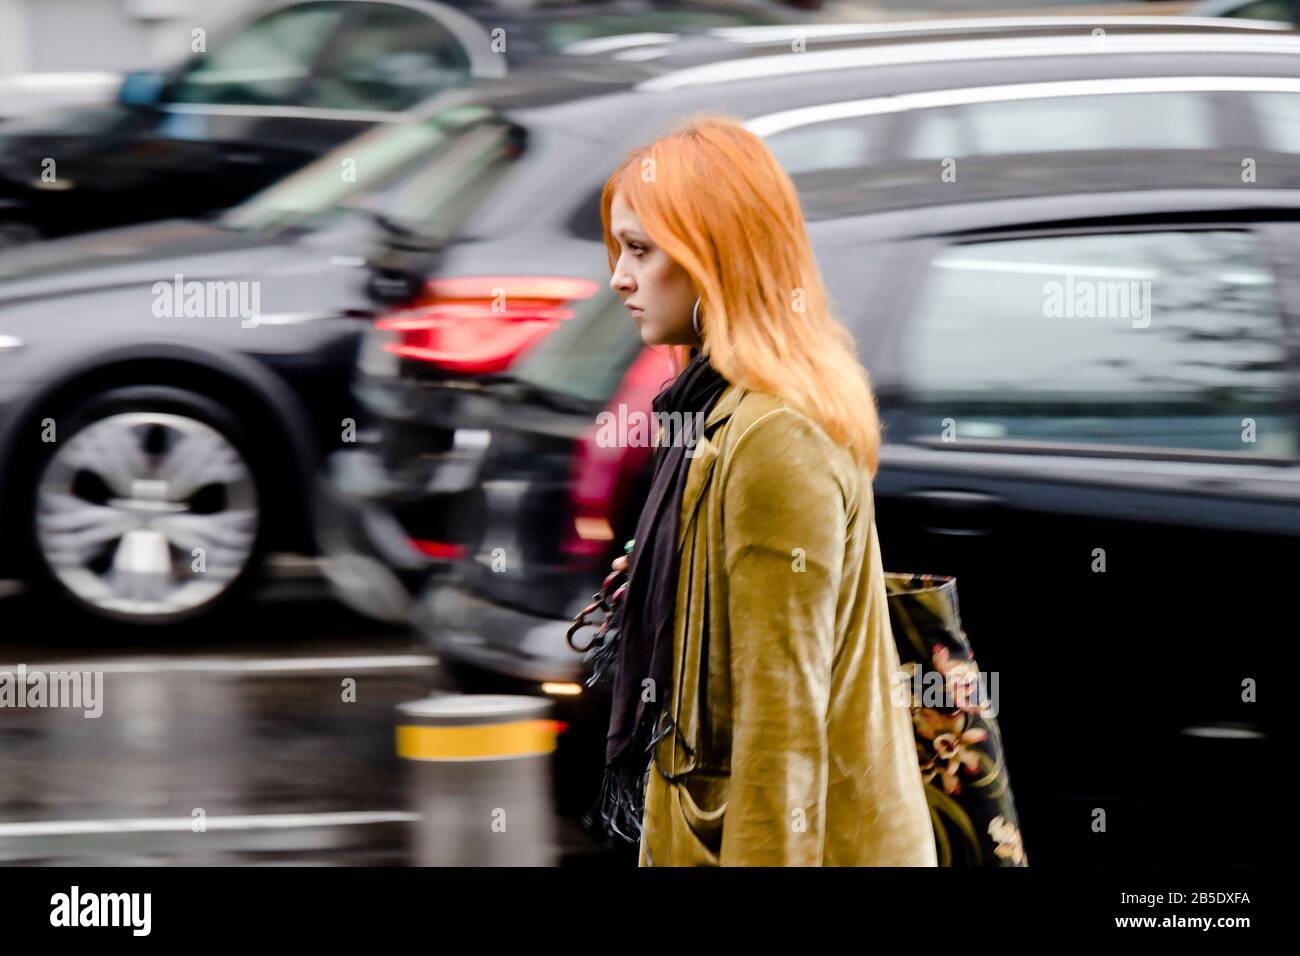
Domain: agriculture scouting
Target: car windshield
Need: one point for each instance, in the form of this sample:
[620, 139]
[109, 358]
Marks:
[587, 356]
[370, 163]
[438, 199]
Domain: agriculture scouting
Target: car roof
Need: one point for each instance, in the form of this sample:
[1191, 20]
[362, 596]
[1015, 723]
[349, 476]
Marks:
[717, 57]
[697, 47]
[700, 62]
[733, 41]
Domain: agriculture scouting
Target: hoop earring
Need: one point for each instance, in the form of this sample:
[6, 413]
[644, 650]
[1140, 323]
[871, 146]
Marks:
[695, 316]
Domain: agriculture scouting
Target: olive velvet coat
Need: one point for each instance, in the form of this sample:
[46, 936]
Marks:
[788, 750]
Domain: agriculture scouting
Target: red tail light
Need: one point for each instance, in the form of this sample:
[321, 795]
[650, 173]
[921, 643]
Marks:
[479, 324]
[604, 474]
[441, 550]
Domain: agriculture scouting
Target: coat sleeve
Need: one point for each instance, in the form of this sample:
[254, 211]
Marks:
[784, 537]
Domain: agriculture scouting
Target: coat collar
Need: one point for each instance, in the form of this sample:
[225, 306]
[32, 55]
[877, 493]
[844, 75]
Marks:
[724, 406]
[705, 454]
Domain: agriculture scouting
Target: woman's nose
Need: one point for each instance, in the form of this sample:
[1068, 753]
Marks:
[620, 281]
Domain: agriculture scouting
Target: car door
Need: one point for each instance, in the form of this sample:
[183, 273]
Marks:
[392, 56]
[1095, 429]
[231, 120]
[270, 96]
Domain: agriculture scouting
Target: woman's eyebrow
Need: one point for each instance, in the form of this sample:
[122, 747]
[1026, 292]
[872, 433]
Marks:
[624, 232]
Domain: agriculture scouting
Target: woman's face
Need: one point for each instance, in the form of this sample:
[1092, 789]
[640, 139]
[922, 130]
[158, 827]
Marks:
[655, 288]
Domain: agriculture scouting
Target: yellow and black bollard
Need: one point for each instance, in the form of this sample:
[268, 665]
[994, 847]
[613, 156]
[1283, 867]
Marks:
[479, 779]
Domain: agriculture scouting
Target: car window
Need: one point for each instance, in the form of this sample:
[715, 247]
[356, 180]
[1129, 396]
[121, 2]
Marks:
[392, 58]
[457, 177]
[372, 161]
[836, 144]
[264, 64]
[1279, 10]
[1063, 123]
[1279, 120]
[1160, 338]
[587, 356]
[822, 159]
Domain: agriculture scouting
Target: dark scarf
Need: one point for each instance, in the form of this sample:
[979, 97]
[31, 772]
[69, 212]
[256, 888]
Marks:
[641, 643]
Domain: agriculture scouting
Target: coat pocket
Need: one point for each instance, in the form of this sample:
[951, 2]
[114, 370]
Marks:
[702, 799]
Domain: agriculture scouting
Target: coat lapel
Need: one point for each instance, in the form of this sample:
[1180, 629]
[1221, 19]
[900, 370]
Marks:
[705, 455]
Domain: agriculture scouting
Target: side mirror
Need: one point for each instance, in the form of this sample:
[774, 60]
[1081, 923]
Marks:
[141, 88]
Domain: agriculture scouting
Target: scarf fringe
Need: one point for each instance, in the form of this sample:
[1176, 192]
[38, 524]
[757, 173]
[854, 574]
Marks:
[619, 808]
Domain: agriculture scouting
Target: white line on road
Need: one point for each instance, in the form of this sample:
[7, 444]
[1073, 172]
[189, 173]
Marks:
[265, 821]
[237, 666]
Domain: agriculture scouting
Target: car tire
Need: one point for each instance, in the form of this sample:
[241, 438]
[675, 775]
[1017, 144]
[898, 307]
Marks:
[148, 508]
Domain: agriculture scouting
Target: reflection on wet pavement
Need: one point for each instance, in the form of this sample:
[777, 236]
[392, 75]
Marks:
[278, 750]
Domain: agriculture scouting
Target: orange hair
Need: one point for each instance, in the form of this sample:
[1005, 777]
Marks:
[714, 198]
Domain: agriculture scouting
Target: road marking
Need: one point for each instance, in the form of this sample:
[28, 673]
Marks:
[265, 821]
[270, 665]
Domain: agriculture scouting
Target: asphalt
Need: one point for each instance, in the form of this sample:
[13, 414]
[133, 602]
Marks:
[263, 739]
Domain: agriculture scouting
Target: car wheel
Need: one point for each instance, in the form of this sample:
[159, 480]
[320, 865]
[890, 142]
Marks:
[149, 510]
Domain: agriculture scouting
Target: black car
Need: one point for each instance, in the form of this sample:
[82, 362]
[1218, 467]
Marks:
[915, 98]
[260, 99]
[1057, 468]
[1284, 11]
[106, 376]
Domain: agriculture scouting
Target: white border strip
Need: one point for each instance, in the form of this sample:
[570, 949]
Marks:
[804, 116]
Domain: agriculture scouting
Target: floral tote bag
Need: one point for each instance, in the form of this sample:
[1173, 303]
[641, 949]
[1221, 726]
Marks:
[955, 722]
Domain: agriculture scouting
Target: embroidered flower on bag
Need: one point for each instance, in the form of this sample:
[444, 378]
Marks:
[961, 680]
[1007, 838]
[951, 744]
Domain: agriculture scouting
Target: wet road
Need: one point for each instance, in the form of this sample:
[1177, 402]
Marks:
[274, 730]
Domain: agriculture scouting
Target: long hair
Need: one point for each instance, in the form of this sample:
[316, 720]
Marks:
[714, 198]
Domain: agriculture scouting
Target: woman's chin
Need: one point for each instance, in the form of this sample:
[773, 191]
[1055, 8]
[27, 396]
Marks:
[652, 336]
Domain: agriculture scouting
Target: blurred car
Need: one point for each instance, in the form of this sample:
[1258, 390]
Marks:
[1284, 11]
[91, 345]
[527, 252]
[1016, 449]
[271, 93]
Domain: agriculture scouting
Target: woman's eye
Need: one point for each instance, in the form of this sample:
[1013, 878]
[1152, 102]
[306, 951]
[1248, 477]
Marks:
[636, 248]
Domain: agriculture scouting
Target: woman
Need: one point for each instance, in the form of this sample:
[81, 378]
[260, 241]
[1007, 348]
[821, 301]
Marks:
[752, 721]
